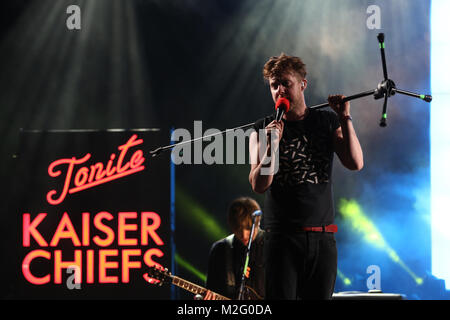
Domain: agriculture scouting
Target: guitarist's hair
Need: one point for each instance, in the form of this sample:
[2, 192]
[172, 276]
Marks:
[240, 213]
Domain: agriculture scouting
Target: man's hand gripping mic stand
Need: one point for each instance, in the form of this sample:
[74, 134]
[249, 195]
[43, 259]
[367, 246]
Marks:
[385, 89]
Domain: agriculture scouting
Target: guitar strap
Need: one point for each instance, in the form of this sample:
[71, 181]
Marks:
[231, 280]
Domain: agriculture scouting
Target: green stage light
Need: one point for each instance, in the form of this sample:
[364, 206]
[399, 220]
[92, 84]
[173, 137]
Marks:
[353, 213]
[190, 268]
[344, 279]
[195, 215]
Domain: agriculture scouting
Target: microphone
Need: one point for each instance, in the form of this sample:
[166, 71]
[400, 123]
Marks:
[256, 213]
[282, 107]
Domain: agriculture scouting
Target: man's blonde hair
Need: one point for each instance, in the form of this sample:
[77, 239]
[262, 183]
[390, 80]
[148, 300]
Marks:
[277, 66]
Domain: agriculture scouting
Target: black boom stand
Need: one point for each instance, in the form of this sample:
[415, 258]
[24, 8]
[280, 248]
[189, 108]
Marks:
[385, 89]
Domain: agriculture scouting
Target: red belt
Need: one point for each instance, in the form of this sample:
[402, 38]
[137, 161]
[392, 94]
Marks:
[329, 228]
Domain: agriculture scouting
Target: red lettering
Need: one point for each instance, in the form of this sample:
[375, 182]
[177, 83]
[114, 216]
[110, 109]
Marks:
[110, 170]
[95, 265]
[90, 266]
[149, 224]
[124, 148]
[104, 265]
[123, 227]
[90, 176]
[96, 168]
[81, 176]
[71, 163]
[148, 257]
[107, 230]
[65, 230]
[107, 261]
[59, 265]
[26, 267]
[85, 227]
[29, 229]
[147, 229]
[137, 159]
[127, 264]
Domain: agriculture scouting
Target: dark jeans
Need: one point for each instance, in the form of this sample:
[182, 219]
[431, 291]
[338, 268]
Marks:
[300, 265]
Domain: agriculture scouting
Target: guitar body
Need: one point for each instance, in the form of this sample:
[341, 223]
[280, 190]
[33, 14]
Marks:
[250, 294]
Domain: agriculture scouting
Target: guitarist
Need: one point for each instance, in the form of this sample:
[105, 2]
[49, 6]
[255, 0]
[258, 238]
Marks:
[227, 256]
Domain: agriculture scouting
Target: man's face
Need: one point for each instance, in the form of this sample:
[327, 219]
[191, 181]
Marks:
[288, 86]
[243, 235]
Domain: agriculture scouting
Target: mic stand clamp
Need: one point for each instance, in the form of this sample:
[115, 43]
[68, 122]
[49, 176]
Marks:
[385, 89]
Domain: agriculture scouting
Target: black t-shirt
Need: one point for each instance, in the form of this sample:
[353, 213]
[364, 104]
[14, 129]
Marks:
[226, 263]
[301, 191]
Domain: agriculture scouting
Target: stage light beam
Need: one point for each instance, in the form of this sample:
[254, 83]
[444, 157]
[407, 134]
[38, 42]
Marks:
[352, 211]
[194, 214]
[347, 282]
[440, 140]
[190, 268]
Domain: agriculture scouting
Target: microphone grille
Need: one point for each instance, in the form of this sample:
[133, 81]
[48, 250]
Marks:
[257, 213]
[282, 102]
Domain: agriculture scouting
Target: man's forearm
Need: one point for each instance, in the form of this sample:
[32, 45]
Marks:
[260, 182]
[354, 155]
[261, 174]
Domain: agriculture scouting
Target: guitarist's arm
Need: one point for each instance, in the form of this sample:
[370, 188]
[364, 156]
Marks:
[217, 276]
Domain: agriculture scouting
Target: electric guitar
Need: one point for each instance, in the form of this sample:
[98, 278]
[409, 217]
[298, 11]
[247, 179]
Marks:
[160, 276]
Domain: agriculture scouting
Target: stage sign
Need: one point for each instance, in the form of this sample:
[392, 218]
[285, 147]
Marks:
[91, 213]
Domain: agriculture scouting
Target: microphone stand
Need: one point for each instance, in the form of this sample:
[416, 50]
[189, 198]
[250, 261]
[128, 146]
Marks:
[385, 89]
[247, 256]
[157, 151]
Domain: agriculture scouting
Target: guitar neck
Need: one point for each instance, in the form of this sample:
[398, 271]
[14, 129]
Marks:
[193, 288]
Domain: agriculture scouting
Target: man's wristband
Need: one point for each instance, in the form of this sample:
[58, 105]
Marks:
[345, 118]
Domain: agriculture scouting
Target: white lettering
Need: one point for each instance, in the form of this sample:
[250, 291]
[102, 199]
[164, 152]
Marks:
[374, 281]
[373, 21]
[74, 20]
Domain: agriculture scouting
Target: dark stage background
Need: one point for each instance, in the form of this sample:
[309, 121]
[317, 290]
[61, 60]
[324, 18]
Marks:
[164, 64]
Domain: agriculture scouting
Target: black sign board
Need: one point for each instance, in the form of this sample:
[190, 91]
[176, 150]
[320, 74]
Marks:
[89, 212]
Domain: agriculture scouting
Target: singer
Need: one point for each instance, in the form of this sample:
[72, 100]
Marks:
[300, 248]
